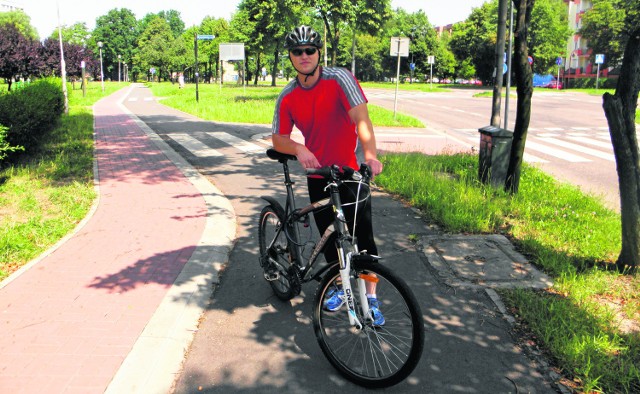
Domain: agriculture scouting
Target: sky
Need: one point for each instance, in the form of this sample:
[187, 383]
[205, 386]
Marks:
[44, 13]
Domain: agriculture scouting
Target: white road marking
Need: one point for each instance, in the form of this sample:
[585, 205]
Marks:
[194, 145]
[236, 142]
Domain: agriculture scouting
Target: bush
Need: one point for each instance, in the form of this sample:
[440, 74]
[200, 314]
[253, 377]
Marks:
[31, 112]
[590, 83]
[5, 147]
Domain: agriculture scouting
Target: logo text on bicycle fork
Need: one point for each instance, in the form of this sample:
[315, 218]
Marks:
[349, 295]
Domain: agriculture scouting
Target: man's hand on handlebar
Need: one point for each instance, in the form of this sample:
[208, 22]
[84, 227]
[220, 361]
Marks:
[375, 165]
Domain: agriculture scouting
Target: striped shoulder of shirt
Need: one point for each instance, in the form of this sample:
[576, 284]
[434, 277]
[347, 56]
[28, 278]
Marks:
[348, 82]
[275, 124]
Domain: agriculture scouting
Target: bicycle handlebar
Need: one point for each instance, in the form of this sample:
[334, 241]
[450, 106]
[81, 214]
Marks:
[333, 172]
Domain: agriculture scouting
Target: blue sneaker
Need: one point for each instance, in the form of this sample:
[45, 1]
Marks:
[374, 307]
[335, 299]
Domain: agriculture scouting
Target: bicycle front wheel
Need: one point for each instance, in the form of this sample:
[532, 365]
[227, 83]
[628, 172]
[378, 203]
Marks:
[275, 255]
[378, 355]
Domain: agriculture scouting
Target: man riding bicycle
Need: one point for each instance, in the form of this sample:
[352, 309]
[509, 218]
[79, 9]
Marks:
[330, 109]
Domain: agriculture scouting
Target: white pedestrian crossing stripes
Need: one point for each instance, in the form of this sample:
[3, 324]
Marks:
[581, 149]
[194, 145]
[574, 147]
[236, 142]
[199, 148]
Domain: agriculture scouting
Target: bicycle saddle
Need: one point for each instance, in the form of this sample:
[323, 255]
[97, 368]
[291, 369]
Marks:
[281, 157]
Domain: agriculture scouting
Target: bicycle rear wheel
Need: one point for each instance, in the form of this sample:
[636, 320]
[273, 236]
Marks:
[376, 356]
[275, 254]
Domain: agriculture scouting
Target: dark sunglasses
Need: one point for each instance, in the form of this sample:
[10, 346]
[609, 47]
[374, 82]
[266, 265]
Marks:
[308, 51]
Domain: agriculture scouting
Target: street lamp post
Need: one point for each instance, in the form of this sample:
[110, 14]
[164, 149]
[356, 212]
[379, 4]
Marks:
[101, 71]
[119, 67]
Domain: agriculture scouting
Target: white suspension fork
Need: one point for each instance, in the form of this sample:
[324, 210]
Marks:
[345, 270]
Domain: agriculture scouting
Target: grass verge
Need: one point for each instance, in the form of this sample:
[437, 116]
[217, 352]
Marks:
[47, 192]
[589, 321]
[251, 104]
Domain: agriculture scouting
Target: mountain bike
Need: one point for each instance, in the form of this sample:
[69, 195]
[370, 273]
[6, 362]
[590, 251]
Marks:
[365, 350]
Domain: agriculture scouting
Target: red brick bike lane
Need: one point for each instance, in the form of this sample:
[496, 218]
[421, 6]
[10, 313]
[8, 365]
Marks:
[69, 320]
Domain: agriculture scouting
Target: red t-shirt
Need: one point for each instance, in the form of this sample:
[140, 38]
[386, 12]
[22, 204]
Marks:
[321, 113]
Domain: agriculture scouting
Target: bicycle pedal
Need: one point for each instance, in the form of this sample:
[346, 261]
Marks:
[271, 276]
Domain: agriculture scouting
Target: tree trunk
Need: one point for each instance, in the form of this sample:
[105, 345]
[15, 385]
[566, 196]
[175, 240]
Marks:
[332, 37]
[258, 67]
[274, 68]
[524, 81]
[620, 110]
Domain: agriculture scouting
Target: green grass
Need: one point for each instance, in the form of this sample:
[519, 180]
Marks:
[421, 86]
[580, 321]
[251, 104]
[49, 191]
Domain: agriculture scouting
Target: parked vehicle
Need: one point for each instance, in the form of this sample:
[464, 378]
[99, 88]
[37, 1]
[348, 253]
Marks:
[554, 85]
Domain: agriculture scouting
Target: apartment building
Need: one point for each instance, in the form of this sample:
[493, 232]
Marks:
[578, 62]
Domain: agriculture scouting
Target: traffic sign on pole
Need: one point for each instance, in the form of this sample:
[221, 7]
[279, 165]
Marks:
[206, 37]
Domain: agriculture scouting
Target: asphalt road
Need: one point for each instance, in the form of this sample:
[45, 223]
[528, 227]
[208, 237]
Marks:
[568, 133]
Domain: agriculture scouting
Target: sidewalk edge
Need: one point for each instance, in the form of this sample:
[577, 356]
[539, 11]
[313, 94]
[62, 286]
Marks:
[157, 356]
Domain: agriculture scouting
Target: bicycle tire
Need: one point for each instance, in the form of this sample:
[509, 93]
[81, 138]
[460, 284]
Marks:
[374, 357]
[280, 251]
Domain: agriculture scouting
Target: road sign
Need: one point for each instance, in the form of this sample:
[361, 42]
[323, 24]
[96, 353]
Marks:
[559, 61]
[232, 51]
[504, 68]
[206, 37]
[599, 58]
[431, 59]
[412, 66]
[399, 46]
[530, 59]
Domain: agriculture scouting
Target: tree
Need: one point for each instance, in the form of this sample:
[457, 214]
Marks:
[19, 54]
[474, 40]
[118, 31]
[335, 14]
[77, 33]
[604, 28]
[211, 50]
[155, 46]
[524, 87]
[548, 34]
[369, 17]
[74, 54]
[21, 21]
[620, 109]
[268, 22]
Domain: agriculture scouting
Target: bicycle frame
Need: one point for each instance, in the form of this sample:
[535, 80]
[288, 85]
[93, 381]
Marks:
[345, 247]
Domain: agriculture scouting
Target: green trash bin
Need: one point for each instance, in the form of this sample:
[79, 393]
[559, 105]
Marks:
[495, 148]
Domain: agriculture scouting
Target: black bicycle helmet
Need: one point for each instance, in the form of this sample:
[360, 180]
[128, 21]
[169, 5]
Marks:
[303, 35]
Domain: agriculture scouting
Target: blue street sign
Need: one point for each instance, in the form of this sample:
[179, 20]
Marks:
[207, 37]
[599, 58]
[559, 61]
[504, 68]
[412, 66]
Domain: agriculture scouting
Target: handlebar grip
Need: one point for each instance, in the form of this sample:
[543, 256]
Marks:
[325, 172]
